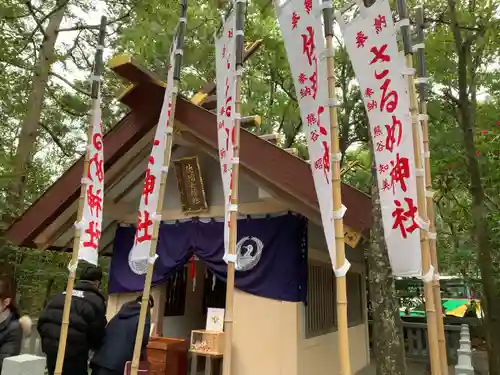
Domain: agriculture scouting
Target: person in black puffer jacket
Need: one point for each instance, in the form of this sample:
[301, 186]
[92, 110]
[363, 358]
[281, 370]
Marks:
[87, 324]
[118, 346]
[12, 327]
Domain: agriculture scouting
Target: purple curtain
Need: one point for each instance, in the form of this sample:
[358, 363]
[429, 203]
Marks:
[280, 272]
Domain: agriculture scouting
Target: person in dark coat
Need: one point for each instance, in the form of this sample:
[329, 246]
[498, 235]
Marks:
[12, 327]
[118, 346]
[87, 324]
[471, 311]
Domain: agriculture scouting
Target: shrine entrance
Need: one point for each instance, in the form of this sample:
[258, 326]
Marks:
[187, 295]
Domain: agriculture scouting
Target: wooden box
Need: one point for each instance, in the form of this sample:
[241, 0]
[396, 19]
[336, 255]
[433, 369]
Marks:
[167, 356]
[207, 342]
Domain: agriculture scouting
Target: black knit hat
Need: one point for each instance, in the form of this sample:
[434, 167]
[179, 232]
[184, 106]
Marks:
[151, 301]
[92, 273]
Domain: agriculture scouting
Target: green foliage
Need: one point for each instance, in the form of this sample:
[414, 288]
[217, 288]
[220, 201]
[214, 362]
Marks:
[39, 275]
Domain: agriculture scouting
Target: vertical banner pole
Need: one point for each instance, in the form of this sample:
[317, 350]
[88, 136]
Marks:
[427, 269]
[159, 208]
[233, 214]
[341, 295]
[436, 290]
[96, 82]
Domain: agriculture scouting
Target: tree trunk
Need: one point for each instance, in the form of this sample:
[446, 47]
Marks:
[30, 124]
[467, 113]
[490, 289]
[388, 341]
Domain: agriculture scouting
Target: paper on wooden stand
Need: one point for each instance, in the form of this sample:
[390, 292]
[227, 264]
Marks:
[139, 255]
[215, 320]
[370, 40]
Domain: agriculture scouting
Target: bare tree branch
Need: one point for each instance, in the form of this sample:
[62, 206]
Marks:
[38, 22]
[64, 106]
[10, 18]
[61, 4]
[296, 131]
[447, 94]
[84, 56]
[442, 21]
[56, 140]
[70, 84]
[95, 27]
[492, 201]
[281, 84]
[72, 48]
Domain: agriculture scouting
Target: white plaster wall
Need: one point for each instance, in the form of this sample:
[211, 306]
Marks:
[319, 355]
[265, 340]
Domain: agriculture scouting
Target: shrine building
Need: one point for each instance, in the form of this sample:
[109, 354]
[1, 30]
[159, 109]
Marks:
[284, 304]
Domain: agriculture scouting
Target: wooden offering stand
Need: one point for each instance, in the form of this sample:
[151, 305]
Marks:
[167, 356]
[207, 344]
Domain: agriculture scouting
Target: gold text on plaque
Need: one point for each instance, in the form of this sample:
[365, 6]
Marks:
[190, 184]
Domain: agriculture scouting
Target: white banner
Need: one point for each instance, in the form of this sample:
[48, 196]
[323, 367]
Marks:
[90, 225]
[301, 27]
[225, 63]
[370, 40]
[139, 254]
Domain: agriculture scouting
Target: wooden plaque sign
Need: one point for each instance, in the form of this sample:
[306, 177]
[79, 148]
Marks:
[190, 183]
[351, 237]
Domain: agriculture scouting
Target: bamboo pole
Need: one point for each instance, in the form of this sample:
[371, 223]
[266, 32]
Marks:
[430, 307]
[154, 241]
[166, 162]
[233, 214]
[436, 290]
[342, 324]
[96, 78]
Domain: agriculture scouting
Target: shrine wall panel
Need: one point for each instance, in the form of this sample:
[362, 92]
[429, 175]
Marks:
[265, 336]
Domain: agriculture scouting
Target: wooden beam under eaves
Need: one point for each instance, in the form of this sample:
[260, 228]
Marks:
[273, 138]
[209, 89]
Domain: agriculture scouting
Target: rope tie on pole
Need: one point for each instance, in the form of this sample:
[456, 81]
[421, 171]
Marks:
[429, 276]
[73, 266]
[152, 260]
[342, 271]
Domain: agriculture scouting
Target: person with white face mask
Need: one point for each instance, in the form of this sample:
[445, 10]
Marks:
[12, 327]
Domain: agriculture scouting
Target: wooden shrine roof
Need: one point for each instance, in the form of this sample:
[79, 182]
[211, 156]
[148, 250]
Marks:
[285, 176]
